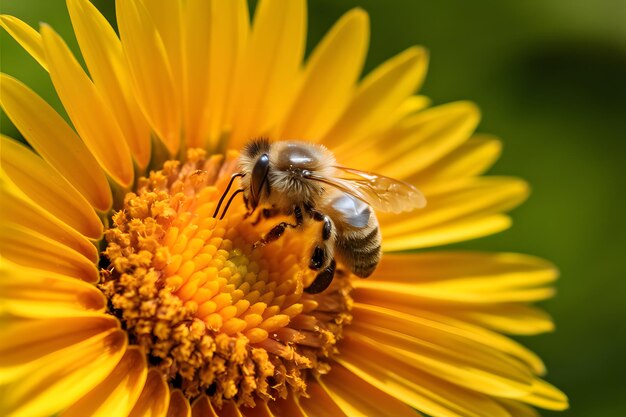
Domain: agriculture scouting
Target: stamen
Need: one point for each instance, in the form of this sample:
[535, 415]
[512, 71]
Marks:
[213, 315]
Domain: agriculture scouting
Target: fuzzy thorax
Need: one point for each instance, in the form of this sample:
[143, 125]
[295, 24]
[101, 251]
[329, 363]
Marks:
[290, 162]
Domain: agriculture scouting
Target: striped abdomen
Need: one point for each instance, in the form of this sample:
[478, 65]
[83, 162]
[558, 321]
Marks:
[358, 238]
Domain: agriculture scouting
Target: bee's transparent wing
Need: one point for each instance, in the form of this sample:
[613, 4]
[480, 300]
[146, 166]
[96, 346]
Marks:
[380, 192]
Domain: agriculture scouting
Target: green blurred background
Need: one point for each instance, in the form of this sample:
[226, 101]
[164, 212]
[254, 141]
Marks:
[550, 77]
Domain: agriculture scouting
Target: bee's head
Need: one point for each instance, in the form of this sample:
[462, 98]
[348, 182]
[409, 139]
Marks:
[279, 174]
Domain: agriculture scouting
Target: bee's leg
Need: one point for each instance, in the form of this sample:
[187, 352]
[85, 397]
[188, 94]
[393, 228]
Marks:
[278, 230]
[323, 249]
[322, 280]
[322, 257]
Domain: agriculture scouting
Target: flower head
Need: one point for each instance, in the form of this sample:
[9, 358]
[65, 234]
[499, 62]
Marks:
[124, 292]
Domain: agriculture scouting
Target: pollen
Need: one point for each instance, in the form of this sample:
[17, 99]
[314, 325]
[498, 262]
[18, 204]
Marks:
[214, 314]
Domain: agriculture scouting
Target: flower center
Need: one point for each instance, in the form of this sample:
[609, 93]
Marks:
[213, 314]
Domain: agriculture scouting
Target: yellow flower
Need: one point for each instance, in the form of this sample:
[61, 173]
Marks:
[121, 294]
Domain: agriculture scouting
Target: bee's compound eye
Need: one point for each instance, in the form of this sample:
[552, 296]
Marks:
[306, 173]
[258, 178]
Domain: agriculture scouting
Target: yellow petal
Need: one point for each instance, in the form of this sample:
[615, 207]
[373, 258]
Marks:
[196, 53]
[117, 394]
[517, 409]
[438, 295]
[26, 36]
[55, 141]
[202, 407]
[441, 349]
[416, 389]
[478, 334]
[211, 54]
[168, 20]
[35, 178]
[444, 335]
[25, 341]
[463, 271]
[380, 93]
[179, 406]
[324, 93]
[494, 375]
[409, 106]
[460, 278]
[452, 232]
[546, 396]
[395, 118]
[270, 67]
[413, 142]
[19, 210]
[151, 73]
[155, 397]
[319, 403]
[89, 113]
[471, 198]
[228, 39]
[428, 267]
[464, 278]
[35, 294]
[357, 398]
[61, 378]
[429, 135]
[33, 250]
[102, 51]
[470, 159]
[509, 318]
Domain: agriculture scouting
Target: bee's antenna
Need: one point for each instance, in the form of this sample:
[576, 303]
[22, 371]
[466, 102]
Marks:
[230, 200]
[219, 203]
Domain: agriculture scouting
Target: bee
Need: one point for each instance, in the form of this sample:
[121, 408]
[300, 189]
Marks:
[303, 181]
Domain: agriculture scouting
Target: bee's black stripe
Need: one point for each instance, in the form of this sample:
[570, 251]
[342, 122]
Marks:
[365, 264]
[364, 251]
[368, 256]
[372, 258]
[361, 244]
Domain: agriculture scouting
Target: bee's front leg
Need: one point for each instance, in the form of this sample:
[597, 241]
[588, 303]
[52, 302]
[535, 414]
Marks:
[278, 230]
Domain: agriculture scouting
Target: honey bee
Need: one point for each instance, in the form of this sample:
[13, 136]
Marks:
[303, 180]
